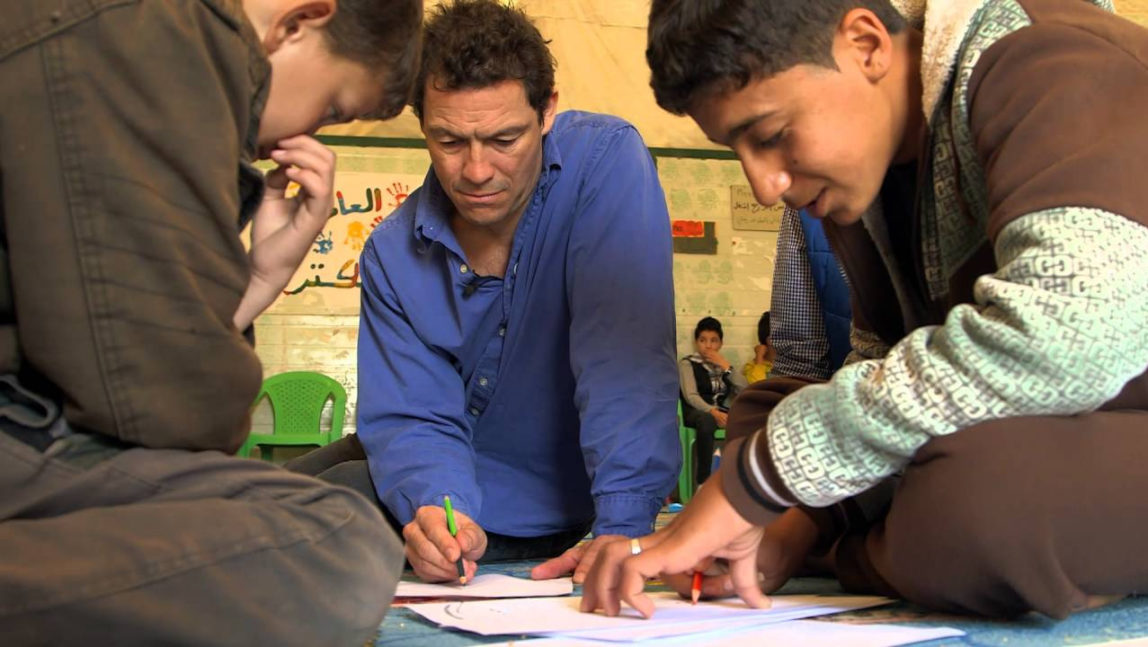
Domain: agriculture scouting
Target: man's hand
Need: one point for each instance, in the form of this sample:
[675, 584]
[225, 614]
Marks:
[283, 228]
[708, 528]
[578, 559]
[433, 552]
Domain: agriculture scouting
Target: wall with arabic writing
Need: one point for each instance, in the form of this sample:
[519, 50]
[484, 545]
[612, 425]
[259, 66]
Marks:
[314, 324]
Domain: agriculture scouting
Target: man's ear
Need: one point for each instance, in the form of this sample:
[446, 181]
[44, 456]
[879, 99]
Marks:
[294, 19]
[549, 111]
[862, 40]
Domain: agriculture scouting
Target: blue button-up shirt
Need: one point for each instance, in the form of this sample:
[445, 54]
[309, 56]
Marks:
[544, 399]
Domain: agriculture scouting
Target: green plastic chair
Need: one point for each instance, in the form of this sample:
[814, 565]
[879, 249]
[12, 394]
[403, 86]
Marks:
[688, 436]
[297, 399]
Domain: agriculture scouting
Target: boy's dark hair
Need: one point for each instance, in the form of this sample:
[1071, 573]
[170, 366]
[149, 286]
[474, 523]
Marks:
[477, 43]
[763, 328]
[708, 323]
[384, 36]
[714, 46]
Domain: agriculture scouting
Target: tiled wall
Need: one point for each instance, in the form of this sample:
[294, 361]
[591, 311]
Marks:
[317, 328]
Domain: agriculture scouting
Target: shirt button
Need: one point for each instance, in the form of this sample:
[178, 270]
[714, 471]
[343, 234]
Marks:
[502, 331]
[482, 381]
[516, 269]
[463, 269]
[473, 411]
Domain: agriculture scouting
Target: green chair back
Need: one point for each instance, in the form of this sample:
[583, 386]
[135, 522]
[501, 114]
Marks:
[687, 436]
[297, 399]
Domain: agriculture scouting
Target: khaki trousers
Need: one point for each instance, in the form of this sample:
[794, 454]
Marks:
[105, 545]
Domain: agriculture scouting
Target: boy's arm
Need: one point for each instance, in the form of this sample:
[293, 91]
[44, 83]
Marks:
[284, 228]
[410, 417]
[620, 289]
[689, 386]
[738, 381]
[1057, 117]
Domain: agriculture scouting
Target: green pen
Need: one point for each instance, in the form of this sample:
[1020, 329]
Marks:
[450, 524]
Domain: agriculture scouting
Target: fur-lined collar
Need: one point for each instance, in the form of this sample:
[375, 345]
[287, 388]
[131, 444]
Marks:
[944, 23]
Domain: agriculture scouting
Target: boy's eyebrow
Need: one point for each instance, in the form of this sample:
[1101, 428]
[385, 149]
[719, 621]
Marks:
[743, 126]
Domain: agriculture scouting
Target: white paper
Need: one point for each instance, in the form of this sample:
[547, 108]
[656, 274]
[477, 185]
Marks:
[808, 633]
[640, 631]
[561, 615]
[488, 585]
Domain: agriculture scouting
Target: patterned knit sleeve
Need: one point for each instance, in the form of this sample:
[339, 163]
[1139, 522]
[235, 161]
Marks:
[1057, 330]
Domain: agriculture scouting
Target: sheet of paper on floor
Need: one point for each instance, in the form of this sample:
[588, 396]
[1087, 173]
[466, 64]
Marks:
[642, 631]
[488, 585]
[561, 615]
[807, 633]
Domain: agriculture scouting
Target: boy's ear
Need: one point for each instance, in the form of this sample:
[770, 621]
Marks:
[863, 39]
[294, 18]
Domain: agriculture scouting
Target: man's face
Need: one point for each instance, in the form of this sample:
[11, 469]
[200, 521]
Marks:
[815, 138]
[310, 88]
[486, 148]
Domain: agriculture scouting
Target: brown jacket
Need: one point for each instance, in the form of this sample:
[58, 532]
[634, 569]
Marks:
[125, 181]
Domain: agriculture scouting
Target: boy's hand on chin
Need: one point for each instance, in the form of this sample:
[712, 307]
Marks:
[284, 228]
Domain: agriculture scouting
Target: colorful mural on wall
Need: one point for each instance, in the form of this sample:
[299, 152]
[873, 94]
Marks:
[328, 278]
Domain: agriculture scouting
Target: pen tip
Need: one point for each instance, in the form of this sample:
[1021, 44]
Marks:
[694, 596]
[462, 580]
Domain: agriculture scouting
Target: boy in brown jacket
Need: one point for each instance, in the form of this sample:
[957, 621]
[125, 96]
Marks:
[979, 168]
[127, 134]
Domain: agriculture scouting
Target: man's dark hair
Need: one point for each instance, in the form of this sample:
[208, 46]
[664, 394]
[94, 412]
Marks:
[384, 36]
[708, 323]
[763, 328]
[478, 43]
[700, 47]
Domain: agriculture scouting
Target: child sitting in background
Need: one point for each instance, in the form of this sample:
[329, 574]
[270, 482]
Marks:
[708, 383]
[763, 354]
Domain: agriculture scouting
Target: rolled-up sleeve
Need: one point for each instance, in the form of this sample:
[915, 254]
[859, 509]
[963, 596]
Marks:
[410, 414]
[620, 283]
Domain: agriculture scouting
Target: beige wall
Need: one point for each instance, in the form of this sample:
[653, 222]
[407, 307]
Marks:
[1135, 9]
[600, 48]
[318, 329]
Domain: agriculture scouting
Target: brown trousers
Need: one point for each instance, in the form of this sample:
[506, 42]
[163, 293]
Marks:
[111, 546]
[1005, 517]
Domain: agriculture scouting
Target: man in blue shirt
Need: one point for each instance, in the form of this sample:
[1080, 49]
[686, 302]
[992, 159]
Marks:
[516, 347]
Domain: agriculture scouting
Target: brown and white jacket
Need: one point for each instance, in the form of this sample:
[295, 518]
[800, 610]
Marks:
[1026, 290]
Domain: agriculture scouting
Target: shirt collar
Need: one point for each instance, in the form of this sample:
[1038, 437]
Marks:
[432, 211]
